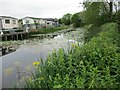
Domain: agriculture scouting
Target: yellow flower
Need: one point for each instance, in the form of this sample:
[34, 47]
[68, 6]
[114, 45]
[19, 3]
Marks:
[36, 63]
[74, 45]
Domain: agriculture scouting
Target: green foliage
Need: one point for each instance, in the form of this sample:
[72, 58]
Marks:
[94, 65]
[66, 19]
[97, 13]
[92, 13]
[118, 20]
[118, 25]
[77, 22]
[91, 31]
[47, 30]
[60, 21]
[75, 19]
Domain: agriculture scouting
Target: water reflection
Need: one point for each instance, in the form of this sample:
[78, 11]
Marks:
[18, 65]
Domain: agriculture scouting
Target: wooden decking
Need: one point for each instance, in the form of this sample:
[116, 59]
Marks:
[14, 36]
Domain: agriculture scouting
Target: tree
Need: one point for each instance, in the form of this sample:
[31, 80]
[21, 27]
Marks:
[60, 21]
[66, 19]
[98, 12]
[77, 19]
[93, 11]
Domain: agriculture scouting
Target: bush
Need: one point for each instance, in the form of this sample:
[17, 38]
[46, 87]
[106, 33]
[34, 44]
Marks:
[47, 30]
[91, 31]
[94, 65]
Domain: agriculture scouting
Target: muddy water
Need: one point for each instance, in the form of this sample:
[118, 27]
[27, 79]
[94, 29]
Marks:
[17, 65]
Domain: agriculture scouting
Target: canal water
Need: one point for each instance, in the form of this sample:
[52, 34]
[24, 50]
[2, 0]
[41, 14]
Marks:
[18, 65]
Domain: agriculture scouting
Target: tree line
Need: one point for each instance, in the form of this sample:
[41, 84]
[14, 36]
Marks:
[96, 13]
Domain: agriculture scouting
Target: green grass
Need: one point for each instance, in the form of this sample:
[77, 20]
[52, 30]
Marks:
[47, 30]
[96, 64]
[91, 31]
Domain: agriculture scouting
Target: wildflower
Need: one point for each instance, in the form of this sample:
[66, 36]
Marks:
[36, 63]
[74, 45]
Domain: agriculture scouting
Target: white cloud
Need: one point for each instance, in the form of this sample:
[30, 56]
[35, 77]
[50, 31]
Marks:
[39, 8]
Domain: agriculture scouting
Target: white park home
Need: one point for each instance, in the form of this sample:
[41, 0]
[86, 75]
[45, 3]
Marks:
[8, 23]
[36, 23]
[50, 22]
[33, 23]
[28, 20]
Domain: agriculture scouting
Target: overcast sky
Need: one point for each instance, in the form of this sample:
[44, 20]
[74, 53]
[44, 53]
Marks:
[39, 8]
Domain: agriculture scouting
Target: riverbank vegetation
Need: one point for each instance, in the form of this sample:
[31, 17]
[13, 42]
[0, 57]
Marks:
[96, 64]
[47, 30]
[75, 20]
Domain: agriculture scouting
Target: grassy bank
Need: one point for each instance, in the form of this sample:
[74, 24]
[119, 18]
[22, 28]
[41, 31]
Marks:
[94, 65]
[91, 31]
[47, 30]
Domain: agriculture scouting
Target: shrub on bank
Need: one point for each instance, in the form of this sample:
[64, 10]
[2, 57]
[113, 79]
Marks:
[94, 65]
[47, 30]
